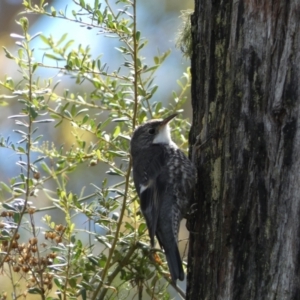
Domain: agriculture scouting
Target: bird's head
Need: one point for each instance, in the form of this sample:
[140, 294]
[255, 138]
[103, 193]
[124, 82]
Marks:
[155, 131]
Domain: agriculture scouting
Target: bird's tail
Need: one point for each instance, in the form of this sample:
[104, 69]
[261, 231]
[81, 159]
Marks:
[174, 262]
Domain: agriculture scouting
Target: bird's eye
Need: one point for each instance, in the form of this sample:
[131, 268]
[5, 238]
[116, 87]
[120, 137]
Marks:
[151, 130]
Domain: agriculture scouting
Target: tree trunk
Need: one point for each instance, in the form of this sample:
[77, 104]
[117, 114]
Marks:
[245, 234]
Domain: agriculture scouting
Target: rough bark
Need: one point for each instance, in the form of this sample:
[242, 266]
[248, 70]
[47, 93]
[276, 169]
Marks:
[245, 237]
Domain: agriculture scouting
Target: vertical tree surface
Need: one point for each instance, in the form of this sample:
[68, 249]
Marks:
[245, 92]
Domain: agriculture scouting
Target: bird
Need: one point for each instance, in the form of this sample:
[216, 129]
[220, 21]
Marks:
[164, 179]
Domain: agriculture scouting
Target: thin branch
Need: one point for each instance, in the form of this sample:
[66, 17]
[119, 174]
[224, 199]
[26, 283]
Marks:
[127, 177]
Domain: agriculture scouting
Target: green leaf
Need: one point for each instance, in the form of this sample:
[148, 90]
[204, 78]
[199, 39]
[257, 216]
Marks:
[102, 125]
[17, 217]
[53, 57]
[21, 150]
[142, 228]
[46, 168]
[125, 137]
[83, 294]
[120, 119]
[93, 260]
[9, 207]
[45, 40]
[34, 67]
[35, 290]
[137, 36]
[33, 112]
[57, 124]
[5, 187]
[35, 35]
[73, 110]
[142, 45]
[73, 282]
[64, 36]
[129, 226]
[158, 107]
[115, 172]
[103, 240]
[58, 282]
[118, 153]
[19, 191]
[44, 121]
[53, 11]
[85, 119]
[39, 159]
[7, 53]
[68, 45]
[81, 111]
[67, 113]
[116, 132]
[37, 138]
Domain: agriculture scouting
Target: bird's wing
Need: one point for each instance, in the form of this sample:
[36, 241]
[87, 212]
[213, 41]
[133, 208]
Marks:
[150, 185]
[167, 232]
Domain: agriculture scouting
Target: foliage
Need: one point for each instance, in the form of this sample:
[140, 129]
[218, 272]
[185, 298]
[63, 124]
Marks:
[110, 264]
[184, 38]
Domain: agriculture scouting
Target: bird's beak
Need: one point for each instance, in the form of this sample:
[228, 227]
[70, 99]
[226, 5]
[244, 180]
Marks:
[167, 119]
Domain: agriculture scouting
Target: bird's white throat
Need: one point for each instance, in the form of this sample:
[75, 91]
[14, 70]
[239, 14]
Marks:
[164, 136]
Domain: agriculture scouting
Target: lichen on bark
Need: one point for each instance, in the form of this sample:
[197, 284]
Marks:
[246, 103]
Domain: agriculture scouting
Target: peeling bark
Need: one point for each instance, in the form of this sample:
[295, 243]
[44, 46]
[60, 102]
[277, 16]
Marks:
[244, 242]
